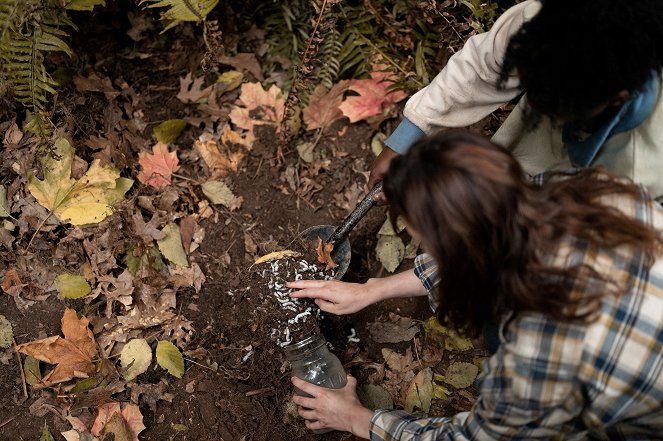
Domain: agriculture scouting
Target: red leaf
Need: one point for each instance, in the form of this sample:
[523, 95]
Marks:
[373, 97]
[158, 166]
[323, 108]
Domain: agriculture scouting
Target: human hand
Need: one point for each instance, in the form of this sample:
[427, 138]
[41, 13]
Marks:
[379, 170]
[338, 409]
[334, 296]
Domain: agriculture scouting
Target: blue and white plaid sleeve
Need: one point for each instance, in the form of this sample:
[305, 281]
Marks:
[427, 270]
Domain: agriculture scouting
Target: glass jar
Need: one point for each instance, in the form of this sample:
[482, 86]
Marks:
[311, 361]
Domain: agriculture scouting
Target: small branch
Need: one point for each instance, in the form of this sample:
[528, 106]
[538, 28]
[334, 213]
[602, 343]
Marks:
[41, 224]
[262, 391]
[185, 178]
[20, 367]
[7, 422]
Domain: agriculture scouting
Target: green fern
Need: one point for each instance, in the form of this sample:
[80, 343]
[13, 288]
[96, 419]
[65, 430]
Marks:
[181, 10]
[30, 29]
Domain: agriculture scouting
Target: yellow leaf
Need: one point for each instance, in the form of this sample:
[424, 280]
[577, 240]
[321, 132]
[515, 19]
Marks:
[169, 130]
[276, 255]
[71, 286]
[79, 202]
[231, 79]
[170, 358]
[420, 393]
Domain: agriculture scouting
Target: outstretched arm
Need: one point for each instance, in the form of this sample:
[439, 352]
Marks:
[341, 298]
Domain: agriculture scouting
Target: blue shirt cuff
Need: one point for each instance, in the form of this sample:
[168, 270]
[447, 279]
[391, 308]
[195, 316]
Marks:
[404, 136]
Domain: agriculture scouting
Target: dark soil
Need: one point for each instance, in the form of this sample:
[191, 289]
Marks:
[237, 382]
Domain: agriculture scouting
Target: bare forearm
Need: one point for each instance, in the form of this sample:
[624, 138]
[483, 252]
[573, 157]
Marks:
[405, 284]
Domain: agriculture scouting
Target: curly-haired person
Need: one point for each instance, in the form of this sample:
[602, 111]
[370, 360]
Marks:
[590, 72]
[572, 269]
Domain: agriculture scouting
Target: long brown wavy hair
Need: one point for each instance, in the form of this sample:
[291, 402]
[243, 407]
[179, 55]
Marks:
[493, 233]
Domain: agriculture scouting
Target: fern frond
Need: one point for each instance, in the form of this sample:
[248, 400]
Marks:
[181, 10]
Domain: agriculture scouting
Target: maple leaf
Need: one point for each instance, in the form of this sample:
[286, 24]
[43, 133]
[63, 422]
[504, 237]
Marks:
[260, 107]
[191, 89]
[218, 157]
[324, 254]
[323, 108]
[373, 97]
[85, 201]
[158, 167]
[72, 354]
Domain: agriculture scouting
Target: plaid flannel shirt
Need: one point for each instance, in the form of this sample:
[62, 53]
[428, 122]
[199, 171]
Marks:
[552, 380]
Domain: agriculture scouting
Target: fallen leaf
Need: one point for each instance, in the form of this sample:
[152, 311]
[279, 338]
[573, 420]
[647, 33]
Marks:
[46, 434]
[171, 245]
[6, 332]
[392, 332]
[219, 193]
[85, 201]
[374, 397]
[187, 276]
[135, 358]
[323, 108]
[276, 255]
[324, 255]
[231, 79]
[71, 286]
[453, 340]
[157, 167]
[305, 151]
[168, 131]
[170, 358]
[420, 392]
[72, 354]
[244, 61]
[412, 249]
[32, 370]
[220, 160]
[377, 143]
[191, 90]
[127, 428]
[150, 393]
[390, 252]
[461, 375]
[373, 97]
[257, 106]
[4, 205]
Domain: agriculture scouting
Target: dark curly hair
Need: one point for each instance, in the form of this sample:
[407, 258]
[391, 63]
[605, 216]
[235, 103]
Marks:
[492, 231]
[575, 55]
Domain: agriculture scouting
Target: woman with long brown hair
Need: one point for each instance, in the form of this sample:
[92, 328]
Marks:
[572, 271]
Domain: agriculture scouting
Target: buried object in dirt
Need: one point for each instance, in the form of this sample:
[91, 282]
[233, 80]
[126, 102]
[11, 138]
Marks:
[338, 235]
[312, 361]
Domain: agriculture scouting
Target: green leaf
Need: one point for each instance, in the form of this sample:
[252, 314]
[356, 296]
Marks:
[71, 286]
[219, 193]
[169, 130]
[170, 358]
[32, 370]
[135, 357]
[181, 10]
[46, 434]
[6, 332]
[374, 397]
[83, 5]
[461, 375]
[171, 246]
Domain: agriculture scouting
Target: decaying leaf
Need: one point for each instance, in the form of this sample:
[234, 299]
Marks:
[71, 286]
[373, 97]
[32, 371]
[324, 254]
[135, 358]
[244, 61]
[461, 375]
[218, 157]
[323, 108]
[125, 426]
[257, 106]
[158, 167]
[374, 397]
[170, 358]
[4, 205]
[191, 90]
[6, 333]
[390, 252]
[219, 193]
[305, 150]
[45, 434]
[420, 392]
[231, 79]
[169, 130]
[276, 255]
[72, 354]
[171, 245]
[398, 330]
[85, 201]
[453, 340]
[377, 143]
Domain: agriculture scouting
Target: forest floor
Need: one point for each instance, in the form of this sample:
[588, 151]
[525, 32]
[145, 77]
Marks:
[236, 382]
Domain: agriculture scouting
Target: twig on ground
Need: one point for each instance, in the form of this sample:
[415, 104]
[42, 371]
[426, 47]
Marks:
[20, 367]
[7, 422]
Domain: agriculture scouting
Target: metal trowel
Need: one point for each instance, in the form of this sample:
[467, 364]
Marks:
[339, 235]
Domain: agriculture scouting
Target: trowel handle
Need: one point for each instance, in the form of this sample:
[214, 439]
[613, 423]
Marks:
[357, 214]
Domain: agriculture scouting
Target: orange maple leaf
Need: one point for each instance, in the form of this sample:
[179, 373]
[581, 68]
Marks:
[324, 254]
[218, 157]
[373, 97]
[158, 167]
[257, 106]
[323, 108]
[72, 354]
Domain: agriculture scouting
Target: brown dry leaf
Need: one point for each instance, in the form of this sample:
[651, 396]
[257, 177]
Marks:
[397, 330]
[244, 61]
[218, 158]
[257, 106]
[126, 428]
[323, 108]
[150, 393]
[72, 354]
[158, 167]
[324, 255]
[191, 89]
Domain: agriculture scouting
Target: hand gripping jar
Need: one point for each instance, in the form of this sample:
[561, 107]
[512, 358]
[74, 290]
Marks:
[311, 361]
